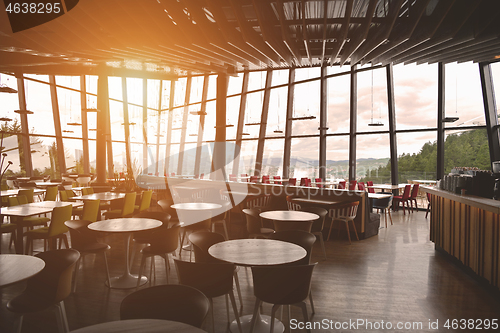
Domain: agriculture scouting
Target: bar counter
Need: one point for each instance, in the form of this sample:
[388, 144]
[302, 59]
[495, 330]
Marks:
[467, 228]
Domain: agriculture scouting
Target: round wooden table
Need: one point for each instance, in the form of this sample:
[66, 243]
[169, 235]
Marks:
[290, 219]
[125, 226]
[194, 212]
[18, 267]
[140, 325]
[257, 252]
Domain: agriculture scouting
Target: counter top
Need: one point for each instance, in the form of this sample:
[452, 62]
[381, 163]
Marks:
[471, 200]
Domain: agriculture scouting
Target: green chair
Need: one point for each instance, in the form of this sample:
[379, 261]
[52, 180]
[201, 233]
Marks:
[126, 210]
[28, 193]
[56, 230]
[145, 202]
[29, 221]
[50, 193]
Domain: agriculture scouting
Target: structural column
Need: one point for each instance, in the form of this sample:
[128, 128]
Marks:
[126, 126]
[392, 125]
[323, 112]
[57, 124]
[490, 113]
[440, 123]
[184, 126]
[21, 93]
[203, 110]
[219, 153]
[263, 124]
[241, 121]
[354, 123]
[102, 118]
[85, 128]
[169, 128]
[287, 150]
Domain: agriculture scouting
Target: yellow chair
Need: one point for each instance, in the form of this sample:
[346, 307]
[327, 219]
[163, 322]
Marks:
[50, 193]
[126, 210]
[28, 193]
[145, 202]
[56, 230]
[6, 228]
[90, 210]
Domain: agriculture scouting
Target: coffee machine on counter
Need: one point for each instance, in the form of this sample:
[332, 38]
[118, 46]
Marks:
[495, 167]
[472, 180]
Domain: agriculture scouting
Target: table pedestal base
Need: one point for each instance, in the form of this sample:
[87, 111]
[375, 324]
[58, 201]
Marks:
[126, 281]
[262, 324]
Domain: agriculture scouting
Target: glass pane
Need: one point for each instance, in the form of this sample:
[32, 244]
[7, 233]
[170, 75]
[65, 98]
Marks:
[43, 155]
[116, 116]
[68, 81]
[372, 158]
[247, 157]
[373, 112]
[338, 104]
[92, 155]
[173, 159]
[212, 87]
[304, 158]
[232, 113]
[235, 84]
[152, 127]
[464, 98]
[180, 92]
[165, 95]
[280, 77]
[272, 161]
[307, 73]
[256, 80]
[70, 112]
[196, 89]
[417, 156]
[305, 104]
[466, 149]
[209, 129]
[73, 154]
[136, 154]
[416, 94]
[253, 113]
[135, 121]
[206, 159]
[337, 157]
[119, 157]
[9, 101]
[189, 159]
[276, 118]
[134, 91]
[495, 72]
[39, 101]
[115, 87]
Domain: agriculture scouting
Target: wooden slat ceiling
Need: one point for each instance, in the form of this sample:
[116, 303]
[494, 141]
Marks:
[166, 38]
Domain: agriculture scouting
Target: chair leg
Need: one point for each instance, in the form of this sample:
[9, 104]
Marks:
[19, 324]
[312, 303]
[165, 257]
[302, 305]
[273, 316]
[428, 210]
[75, 274]
[321, 242]
[348, 232]
[390, 216]
[330, 232]
[235, 310]
[107, 268]
[143, 263]
[212, 312]
[64, 318]
[355, 231]
[238, 289]
[258, 302]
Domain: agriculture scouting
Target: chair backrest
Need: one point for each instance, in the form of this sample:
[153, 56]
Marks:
[320, 222]
[342, 185]
[244, 179]
[318, 180]
[304, 181]
[292, 181]
[28, 193]
[272, 284]
[172, 174]
[370, 183]
[70, 194]
[292, 205]
[414, 190]
[428, 197]
[22, 199]
[170, 302]
[361, 186]
[254, 222]
[276, 180]
[202, 240]
[212, 279]
[232, 177]
[383, 203]
[128, 204]
[265, 179]
[160, 216]
[298, 237]
[164, 240]
[53, 283]
[50, 193]
[202, 175]
[14, 201]
[58, 217]
[260, 201]
[407, 192]
[352, 185]
[146, 200]
[90, 210]
[254, 179]
[347, 210]
[63, 196]
[81, 235]
[87, 190]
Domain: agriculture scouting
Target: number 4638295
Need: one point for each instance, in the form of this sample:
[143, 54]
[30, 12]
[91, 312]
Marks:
[33, 8]
[471, 324]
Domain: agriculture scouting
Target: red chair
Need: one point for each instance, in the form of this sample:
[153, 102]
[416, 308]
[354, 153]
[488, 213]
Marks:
[370, 183]
[276, 180]
[352, 185]
[305, 182]
[265, 180]
[172, 174]
[342, 185]
[244, 179]
[318, 180]
[232, 178]
[202, 175]
[413, 196]
[254, 179]
[361, 186]
[405, 198]
[292, 181]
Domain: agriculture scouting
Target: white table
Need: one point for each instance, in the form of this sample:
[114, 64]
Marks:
[290, 219]
[140, 325]
[18, 267]
[125, 226]
[257, 252]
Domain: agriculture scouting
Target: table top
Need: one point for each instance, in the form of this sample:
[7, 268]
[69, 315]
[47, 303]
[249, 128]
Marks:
[9, 193]
[103, 196]
[289, 215]
[423, 181]
[379, 195]
[387, 186]
[44, 184]
[196, 206]
[316, 201]
[257, 252]
[140, 325]
[125, 225]
[52, 204]
[25, 210]
[18, 267]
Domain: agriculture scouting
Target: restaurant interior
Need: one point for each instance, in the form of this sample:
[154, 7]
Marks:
[156, 155]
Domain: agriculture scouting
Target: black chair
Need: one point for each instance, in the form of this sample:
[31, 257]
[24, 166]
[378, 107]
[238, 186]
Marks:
[301, 238]
[318, 225]
[212, 279]
[384, 204]
[169, 302]
[254, 224]
[163, 241]
[275, 285]
[48, 288]
[202, 240]
[84, 241]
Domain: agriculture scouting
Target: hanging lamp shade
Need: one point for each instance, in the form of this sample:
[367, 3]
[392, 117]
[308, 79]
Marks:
[5, 119]
[74, 123]
[303, 118]
[6, 89]
[91, 110]
[198, 113]
[376, 123]
[23, 111]
[450, 119]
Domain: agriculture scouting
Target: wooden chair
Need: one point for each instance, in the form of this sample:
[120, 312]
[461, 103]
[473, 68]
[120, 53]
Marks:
[292, 205]
[344, 213]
